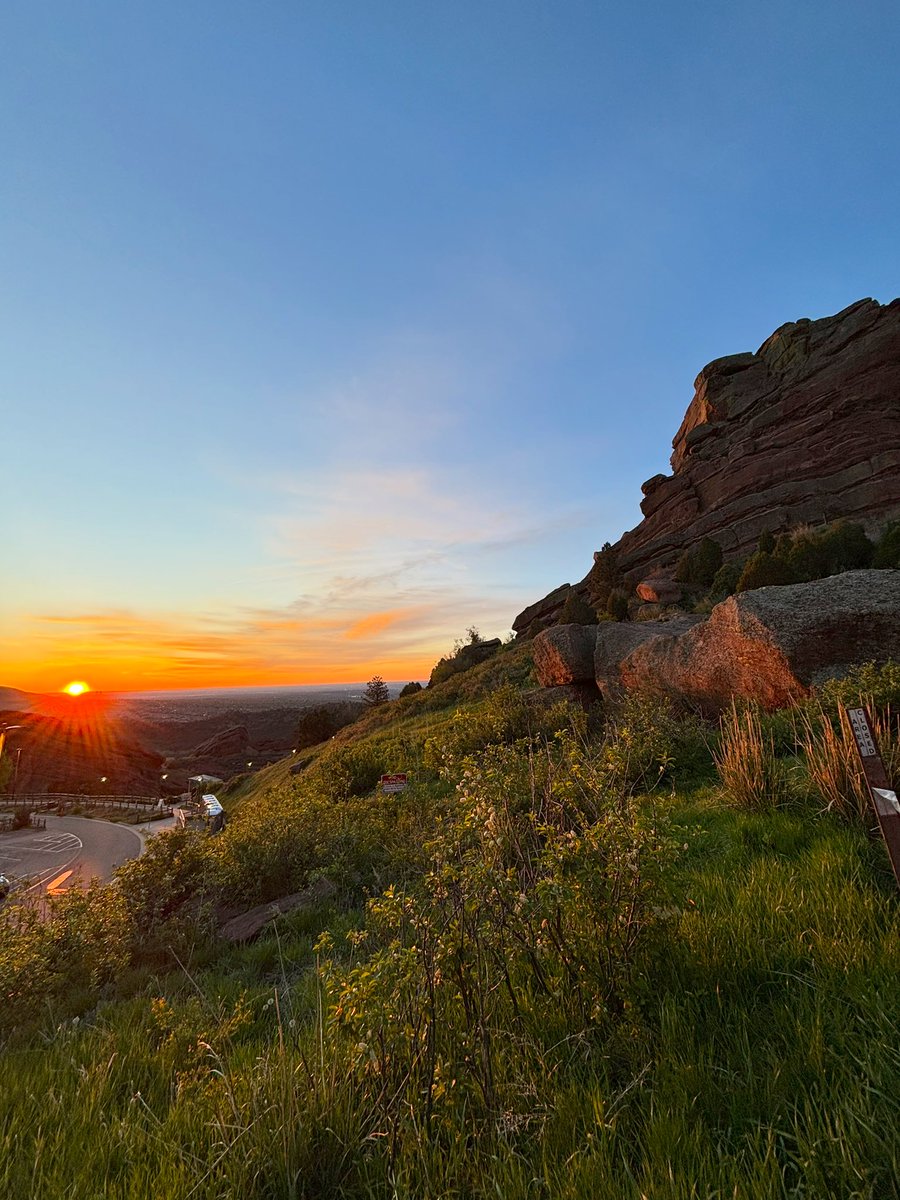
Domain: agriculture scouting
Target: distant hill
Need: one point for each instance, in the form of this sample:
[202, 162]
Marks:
[12, 700]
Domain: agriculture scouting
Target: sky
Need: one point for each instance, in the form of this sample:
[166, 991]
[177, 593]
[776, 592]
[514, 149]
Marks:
[330, 329]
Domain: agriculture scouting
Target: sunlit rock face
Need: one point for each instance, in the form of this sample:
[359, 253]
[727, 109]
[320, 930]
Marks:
[773, 644]
[565, 654]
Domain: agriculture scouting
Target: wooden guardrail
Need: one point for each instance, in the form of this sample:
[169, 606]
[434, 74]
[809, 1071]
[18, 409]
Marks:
[43, 801]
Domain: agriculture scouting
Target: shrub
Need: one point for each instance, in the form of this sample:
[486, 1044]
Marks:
[814, 553]
[846, 547]
[577, 611]
[746, 761]
[766, 543]
[878, 687]
[725, 582]
[466, 654]
[541, 894]
[698, 565]
[506, 716]
[604, 575]
[764, 570]
[66, 956]
[410, 689]
[617, 606]
[646, 742]
[886, 553]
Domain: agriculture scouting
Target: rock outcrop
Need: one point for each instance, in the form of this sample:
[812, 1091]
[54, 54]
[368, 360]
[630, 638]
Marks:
[577, 654]
[774, 643]
[542, 614]
[65, 754]
[617, 640]
[658, 589]
[806, 430]
[771, 645]
[248, 925]
[564, 654]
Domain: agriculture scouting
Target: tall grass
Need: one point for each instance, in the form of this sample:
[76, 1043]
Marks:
[760, 1062]
[833, 765]
[746, 761]
[572, 990]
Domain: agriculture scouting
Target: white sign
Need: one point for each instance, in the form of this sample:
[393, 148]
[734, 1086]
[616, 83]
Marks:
[393, 783]
[862, 732]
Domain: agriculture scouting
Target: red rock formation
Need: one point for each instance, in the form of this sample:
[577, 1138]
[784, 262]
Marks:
[806, 430]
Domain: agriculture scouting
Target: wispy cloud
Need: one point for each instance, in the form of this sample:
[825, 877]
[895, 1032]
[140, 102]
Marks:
[397, 522]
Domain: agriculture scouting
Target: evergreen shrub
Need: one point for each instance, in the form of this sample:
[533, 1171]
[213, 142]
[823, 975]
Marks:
[617, 606]
[764, 570]
[698, 565]
[886, 553]
[577, 611]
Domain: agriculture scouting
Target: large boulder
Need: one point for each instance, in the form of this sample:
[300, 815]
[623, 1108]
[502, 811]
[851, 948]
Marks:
[565, 654]
[659, 589]
[616, 640]
[774, 643]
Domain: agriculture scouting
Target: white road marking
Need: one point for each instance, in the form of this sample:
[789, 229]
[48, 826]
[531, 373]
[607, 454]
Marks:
[53, 843]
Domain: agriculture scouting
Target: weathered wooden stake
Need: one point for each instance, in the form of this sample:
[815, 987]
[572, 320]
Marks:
[884, 798]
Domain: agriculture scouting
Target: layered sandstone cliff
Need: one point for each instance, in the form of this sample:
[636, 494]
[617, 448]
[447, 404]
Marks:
[804, 431]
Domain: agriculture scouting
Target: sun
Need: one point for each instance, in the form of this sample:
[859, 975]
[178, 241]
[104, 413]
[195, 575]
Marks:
[76, 688]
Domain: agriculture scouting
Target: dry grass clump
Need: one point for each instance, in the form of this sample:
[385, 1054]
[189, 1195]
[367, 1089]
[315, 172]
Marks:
[747, 763]
[833, 764]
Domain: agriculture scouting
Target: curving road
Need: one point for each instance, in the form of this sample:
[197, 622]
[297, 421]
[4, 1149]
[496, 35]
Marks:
[70, 852]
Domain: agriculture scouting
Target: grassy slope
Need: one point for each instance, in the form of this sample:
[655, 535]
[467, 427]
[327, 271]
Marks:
[760, 1060]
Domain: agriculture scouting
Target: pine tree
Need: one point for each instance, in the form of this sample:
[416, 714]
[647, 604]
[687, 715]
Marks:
[376, 691]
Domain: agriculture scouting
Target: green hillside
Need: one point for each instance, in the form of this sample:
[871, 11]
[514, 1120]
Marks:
[615, 955]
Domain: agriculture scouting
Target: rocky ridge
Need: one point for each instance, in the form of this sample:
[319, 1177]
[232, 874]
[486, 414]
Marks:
[806, 430]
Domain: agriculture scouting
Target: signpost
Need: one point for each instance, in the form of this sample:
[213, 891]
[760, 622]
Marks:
[884, 798]
[394, 783]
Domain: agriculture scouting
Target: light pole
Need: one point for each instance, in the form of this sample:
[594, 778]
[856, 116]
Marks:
[4, 730]
[16, 771]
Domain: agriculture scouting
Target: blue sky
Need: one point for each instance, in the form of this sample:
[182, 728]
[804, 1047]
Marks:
[331, 329]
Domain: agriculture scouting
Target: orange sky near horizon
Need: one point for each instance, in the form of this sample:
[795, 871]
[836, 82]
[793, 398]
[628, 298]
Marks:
[121, 651]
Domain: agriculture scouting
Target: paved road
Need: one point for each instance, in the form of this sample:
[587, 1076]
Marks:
[68, 853]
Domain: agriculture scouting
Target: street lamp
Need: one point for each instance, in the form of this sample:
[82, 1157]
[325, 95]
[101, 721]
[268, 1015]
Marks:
[15, 781]
[4, 730]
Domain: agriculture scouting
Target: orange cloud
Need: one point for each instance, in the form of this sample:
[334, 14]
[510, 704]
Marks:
[375, 623]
